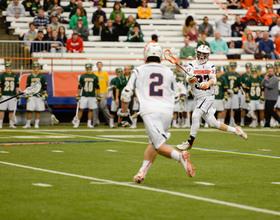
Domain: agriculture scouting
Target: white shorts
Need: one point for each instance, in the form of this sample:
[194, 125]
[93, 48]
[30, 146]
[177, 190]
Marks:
[219, 105]
[157, 126]
[88, 102]
[135, 105]
[205, 103]
[243, 104]
[114, 106]
[35, 104]
[10, 105]
[189, 105]
[256, 105]
[277, 105]
[234, 100]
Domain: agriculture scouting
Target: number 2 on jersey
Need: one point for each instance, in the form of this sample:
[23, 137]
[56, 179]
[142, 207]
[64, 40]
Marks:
[154, 91]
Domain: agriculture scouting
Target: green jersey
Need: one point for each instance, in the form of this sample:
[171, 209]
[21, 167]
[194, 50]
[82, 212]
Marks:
[89, 82]
[233, 81]
[254, 86]
[180, 77]
[32, 78]
[278, 76]
[220, 87]
[244, 78]
[114, 82]
[123, 82]
[9, 82]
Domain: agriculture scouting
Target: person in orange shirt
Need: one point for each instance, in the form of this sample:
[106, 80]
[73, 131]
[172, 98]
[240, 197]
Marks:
[266, 3]
[144, 12]
[254, 14]
[266, 19]
[277, 43]
[246, 3]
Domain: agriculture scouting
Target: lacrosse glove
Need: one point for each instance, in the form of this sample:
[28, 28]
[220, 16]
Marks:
[78, 97]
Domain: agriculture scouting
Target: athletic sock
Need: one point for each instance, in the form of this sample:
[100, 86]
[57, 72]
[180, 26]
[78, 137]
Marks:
[11, 122]
[37, 121]
[175, 155]
[191, 140]
[145, 166]
[242, 120]
[134, 121]
[28, 122]
[231, 129]
[1, 123]
[89, 122]
[111, 121]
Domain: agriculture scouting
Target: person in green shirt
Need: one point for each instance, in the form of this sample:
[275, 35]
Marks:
[35, 103]
[187, 52]
[74, 19]
[117, 10]
[135, 34]
[203, 41]
[9, 86]
[86, 95]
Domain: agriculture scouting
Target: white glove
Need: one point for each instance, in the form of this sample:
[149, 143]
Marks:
[192, 78]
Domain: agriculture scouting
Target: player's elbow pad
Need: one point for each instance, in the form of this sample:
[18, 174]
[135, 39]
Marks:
[126, 94]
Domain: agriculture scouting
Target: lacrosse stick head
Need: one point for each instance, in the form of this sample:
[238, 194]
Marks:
[54, 120]
[168, 56]
[14, 119]
[75, 120]
[33, 89]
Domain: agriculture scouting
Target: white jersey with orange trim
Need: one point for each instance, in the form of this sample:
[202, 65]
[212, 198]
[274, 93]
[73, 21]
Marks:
[155, 87]
[203, 73]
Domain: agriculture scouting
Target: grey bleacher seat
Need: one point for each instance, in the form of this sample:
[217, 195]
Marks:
[218, 56]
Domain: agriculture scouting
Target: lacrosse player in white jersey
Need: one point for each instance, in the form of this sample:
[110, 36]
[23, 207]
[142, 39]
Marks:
[204, 72]
[155, 88]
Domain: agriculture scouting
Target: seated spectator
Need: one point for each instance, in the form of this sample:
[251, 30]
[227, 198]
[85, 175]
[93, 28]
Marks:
[254, 14]
[130, 22]
[250, 46]
[258, 36]
[119, 26]
[75, 44]
[223, 27]
[274, 22]
[238, 27]
[277, 43]
[266, 3]
[41, 21]
[168, 9]
[159, 3]
[117, 10]
[27, 4]
[62, 35]
[69, 8]
[75, 17]
[266, 19]
[205, 27]
[99, 11]
[193, 33]
[187, 25]
[82, 30]
[16, 10]
[29, 36]
[38, 45]
[275, 29]
[52, 8]
[218, 46]
[182, 3]
[55, 24]
[246, 32]
[246, 3]
[203, 41]
[233, 4]
[130, 3]
[135, 34]
[58, 13]
[36, 5]
[80, 6]
[266, 47]
[48, 34]
[109, 33]
[144, 12]
[98, 25]
[187, 52]
[55, 47]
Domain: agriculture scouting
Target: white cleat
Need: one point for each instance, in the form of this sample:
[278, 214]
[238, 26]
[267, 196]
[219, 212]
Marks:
[242, 124]
[175, 126]
[36, 126]
[76, 126]
[185, 126]
[184, 160]
[206, 125]
[12, 126]
[26, 126]
[241, 133]
[139, 177]
[112, 125]
[90, 126]
[133, 126]
[184, 146]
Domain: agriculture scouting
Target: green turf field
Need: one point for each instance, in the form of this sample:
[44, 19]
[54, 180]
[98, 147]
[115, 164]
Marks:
[61, 173]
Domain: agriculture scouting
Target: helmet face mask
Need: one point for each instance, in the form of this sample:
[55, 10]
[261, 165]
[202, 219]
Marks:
[254, 72]
[218, 70]
[8, 67]
[202, 54]
[36, 67]
[119, 71]
[232, 66]
[248, 67]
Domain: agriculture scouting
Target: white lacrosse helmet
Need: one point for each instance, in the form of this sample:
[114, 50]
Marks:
[153, 50]
[202, 54]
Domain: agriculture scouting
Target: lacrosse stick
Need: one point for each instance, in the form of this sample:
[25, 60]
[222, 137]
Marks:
[76, 118]
[54, 120]
[14, 117]
[31, 90]
[168, 56]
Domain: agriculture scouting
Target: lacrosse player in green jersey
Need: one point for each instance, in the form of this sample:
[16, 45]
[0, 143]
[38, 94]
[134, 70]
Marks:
[9, 86]
[273, 122]
[35, 103]
[86, 95]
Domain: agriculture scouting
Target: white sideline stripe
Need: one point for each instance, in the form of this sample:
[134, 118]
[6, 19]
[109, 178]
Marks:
[235, 205]
[41, 184]
[124, 136]
[278, 183]
[4, 152]
[205, 183]
[57, 151]
[265, 150]
[109, 150]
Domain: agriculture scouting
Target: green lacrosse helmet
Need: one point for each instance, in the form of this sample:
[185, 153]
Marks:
[131, 67]
[88, 65]
[232, 63]
[269, 65]
[119, 70]
[259, 68]
[8, 64]
[254, 69]
[277, 63]
[248, 65]
[226, 68]
[36, 64]
[174, 70]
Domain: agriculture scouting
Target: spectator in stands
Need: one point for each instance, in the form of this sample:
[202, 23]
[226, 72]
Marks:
[109, 33]
[27, 4]
[99, 11]
[266, 3]
[193, 33]
[266, 19]
[254, 14]
[205, 27]
[135, 34]
[36, 46]
[36, 5]
[52, 8]
[82, 30]
[56, 47]
[75, 44]
[187, 52]
[274, 22]
[102, 2]
[48, 35]
[47, 4]
[154, 38]
[246, 3]
[16, 10]
[69, 8]
[266, 47]
[119, 26]
[277, 43]
[258, 36]
[168, 9]
[75, 17]
[41, 21]
[117, 10]
[250, 46]
[55, 24]
[130, 22]
[275, 29]
[80, 6]
[187, 25]
[218, 46]
[58, 13]
[203, 41]
[223, 27]
[99, 25]
[238, 27]
[144, 11]
[130, 3]
[62, 35]
[233, 4]
[29, 36]
[182, 3]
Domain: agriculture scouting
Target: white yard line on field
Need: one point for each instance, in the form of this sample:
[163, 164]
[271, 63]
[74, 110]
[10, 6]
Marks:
[214, 201]
[41, 184]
